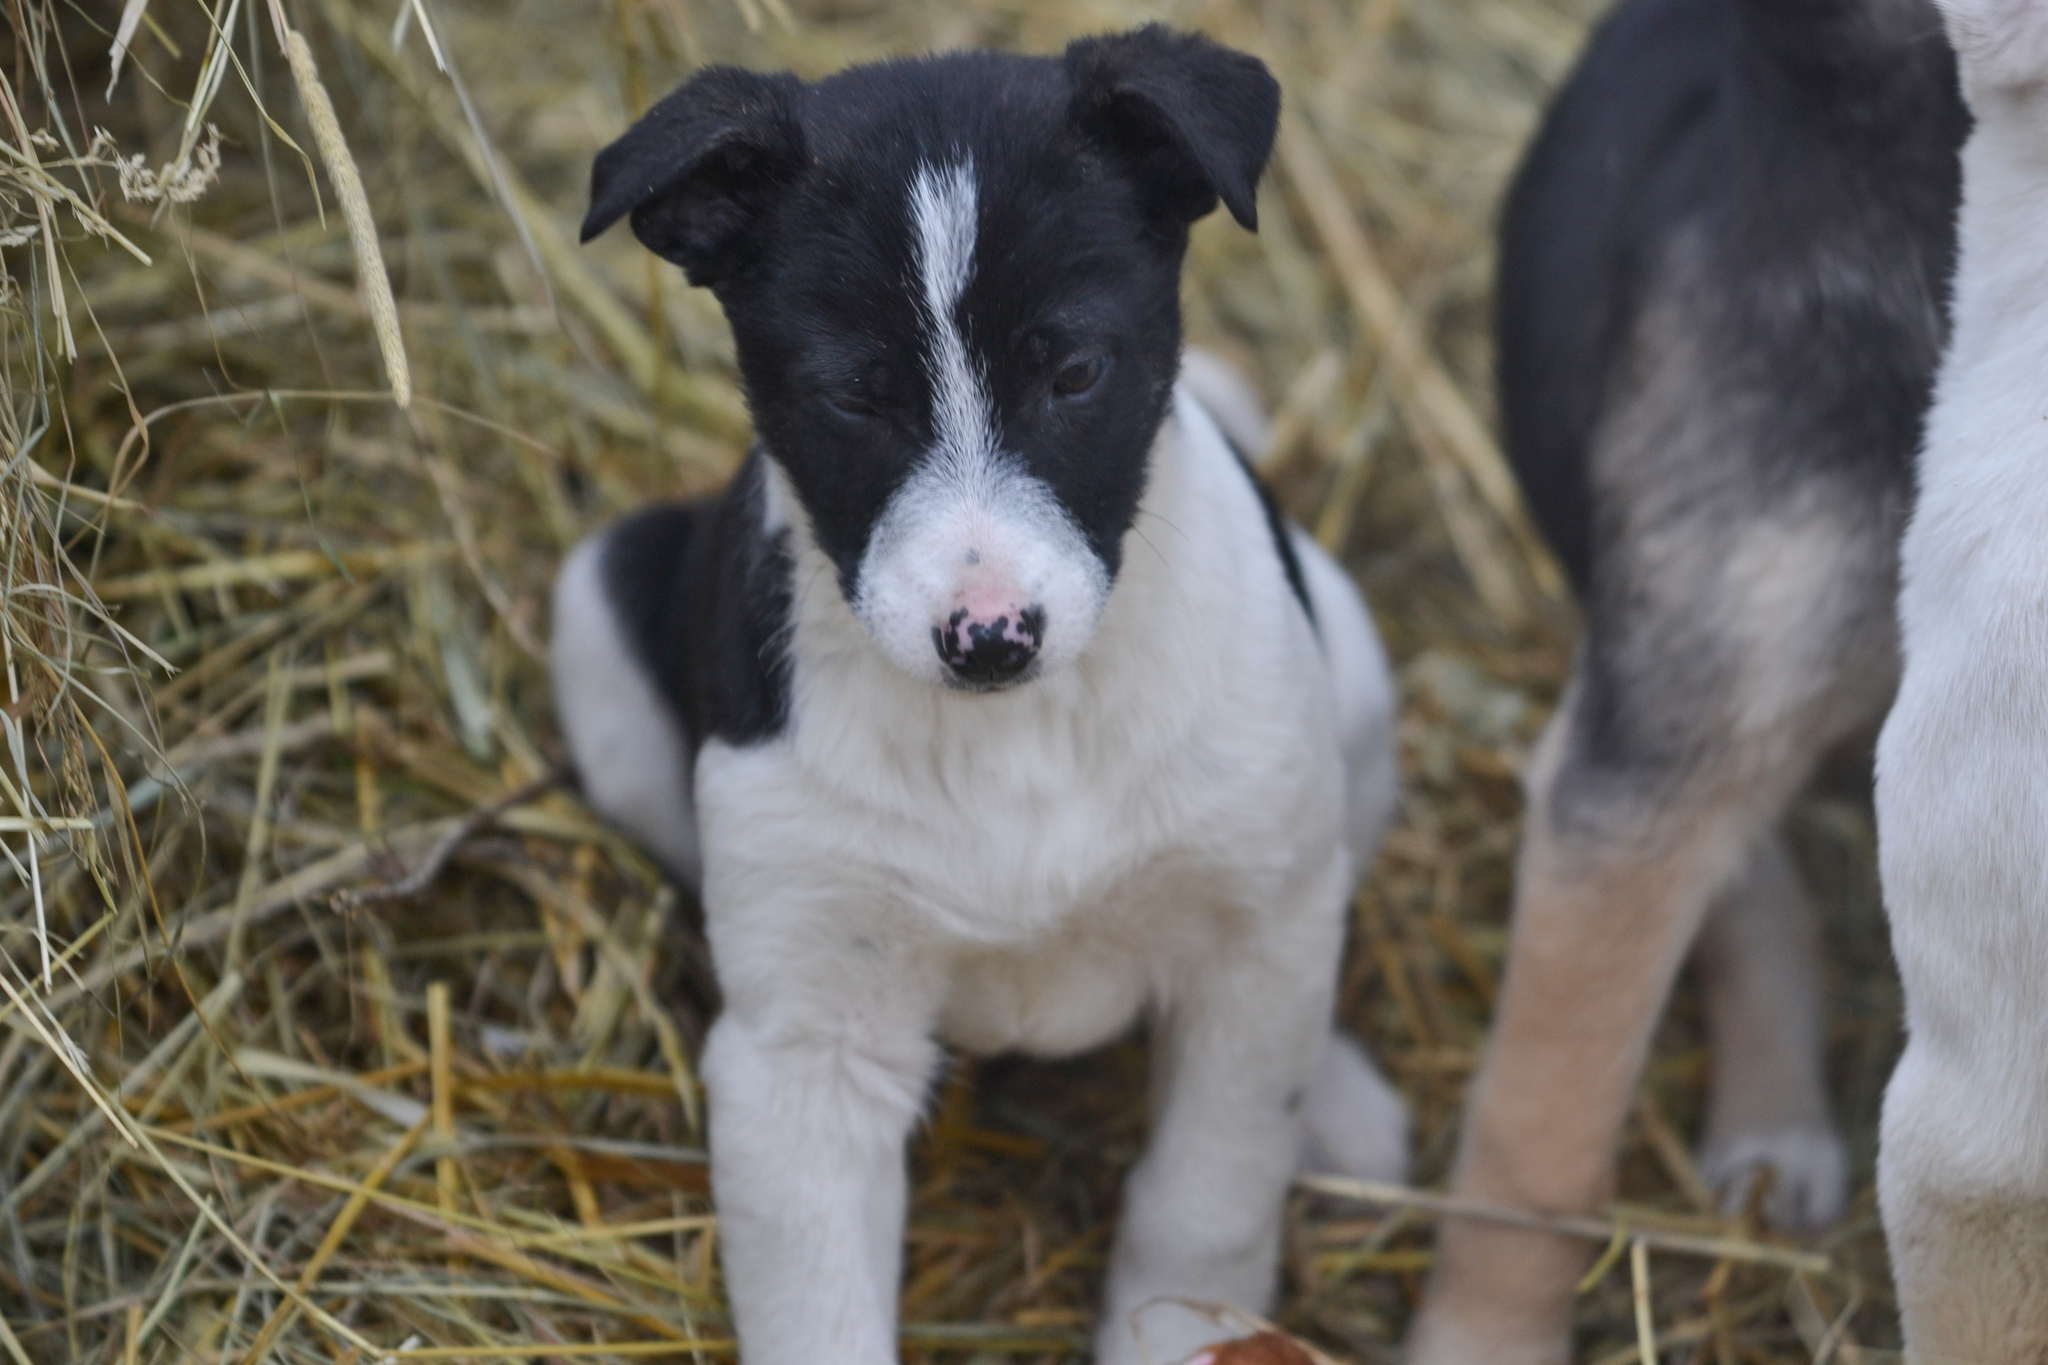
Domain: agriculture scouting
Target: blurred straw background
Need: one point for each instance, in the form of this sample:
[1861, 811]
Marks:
[307, 389]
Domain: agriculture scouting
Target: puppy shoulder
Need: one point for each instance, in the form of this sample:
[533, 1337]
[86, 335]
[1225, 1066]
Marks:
[1218, 469]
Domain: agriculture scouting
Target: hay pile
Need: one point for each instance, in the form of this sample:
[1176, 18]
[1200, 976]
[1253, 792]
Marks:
[273, 637]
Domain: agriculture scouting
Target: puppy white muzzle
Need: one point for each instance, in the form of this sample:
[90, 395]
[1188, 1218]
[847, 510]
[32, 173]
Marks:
[977, 579]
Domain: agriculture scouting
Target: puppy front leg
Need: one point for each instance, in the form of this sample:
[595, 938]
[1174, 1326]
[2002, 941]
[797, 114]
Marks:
[1233, 1059]
[807, 1126]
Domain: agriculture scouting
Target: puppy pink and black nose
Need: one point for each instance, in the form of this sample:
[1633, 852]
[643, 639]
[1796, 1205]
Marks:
[985, 650]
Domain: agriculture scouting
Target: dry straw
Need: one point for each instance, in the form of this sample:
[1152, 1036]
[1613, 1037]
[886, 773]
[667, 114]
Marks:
[371, 276]
[333, 1029]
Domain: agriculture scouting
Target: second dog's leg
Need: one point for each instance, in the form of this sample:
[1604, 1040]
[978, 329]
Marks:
[1759, 963]
[1601, 925]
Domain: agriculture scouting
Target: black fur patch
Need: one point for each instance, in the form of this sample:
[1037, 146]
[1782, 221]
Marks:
[704, 596]
[1723, 291]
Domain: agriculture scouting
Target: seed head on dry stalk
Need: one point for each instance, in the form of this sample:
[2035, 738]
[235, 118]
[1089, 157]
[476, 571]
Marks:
[371, 275]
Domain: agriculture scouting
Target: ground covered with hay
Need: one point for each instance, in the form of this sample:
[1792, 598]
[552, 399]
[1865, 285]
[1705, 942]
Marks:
[321, 1044]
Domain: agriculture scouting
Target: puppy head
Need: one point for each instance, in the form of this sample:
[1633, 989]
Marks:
[954, 284]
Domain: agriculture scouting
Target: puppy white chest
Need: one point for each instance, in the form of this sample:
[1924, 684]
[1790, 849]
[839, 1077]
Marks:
[1087, 980]
[1049, 880]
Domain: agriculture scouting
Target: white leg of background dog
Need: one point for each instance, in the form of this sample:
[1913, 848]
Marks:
[1962, 776]
[1759, 963]
[1233, 1059]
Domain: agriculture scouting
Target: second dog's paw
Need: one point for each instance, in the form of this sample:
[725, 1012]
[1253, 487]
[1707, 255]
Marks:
[1809, 1175]
[1353, 1120]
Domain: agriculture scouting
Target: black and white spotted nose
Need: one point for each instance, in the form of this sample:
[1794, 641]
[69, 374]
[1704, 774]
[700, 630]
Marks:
[988, 650]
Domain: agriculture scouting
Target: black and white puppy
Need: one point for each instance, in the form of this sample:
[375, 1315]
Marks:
[992, 705]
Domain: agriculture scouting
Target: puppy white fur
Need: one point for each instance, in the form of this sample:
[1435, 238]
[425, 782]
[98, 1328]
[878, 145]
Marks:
[1962, 778]
[1161, 829]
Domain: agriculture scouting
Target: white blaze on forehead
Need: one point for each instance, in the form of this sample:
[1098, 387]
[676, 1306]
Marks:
[944, 209]
[969, 524]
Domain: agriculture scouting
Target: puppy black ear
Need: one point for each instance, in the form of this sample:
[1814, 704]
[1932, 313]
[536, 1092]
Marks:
[1196, 119]
[700, 167]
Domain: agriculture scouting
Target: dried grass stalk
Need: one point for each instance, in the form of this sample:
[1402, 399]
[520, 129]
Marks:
[1639, 1293]
[355, 211]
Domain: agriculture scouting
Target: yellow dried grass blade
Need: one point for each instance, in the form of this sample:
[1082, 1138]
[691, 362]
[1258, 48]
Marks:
[256, 847]
[1639, 1286]
[337, 1233]
[170, 1047]
[124, 34]
[1616, 1246]
[1567, 1225]
[569, 1350]
[12, 1344]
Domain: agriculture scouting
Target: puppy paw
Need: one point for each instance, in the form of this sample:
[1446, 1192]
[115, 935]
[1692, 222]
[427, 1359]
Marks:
[1809, 1175]
[1157, 1330]
[2003, 44]
[1353, 1120]
[1261, 1348]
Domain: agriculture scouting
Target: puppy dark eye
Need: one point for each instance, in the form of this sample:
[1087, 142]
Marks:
[849, 404]
[1078, 377]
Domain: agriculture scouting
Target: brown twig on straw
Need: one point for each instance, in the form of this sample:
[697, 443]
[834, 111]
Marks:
[472, 824]
[1566, 1225]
